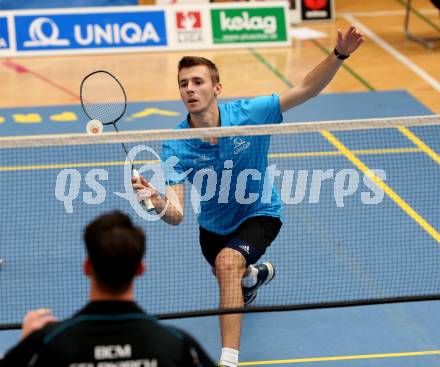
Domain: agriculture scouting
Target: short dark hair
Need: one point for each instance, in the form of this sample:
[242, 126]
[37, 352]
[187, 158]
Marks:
[115, 248]
[190, 61]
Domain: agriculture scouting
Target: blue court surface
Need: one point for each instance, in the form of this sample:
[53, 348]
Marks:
[331, 246]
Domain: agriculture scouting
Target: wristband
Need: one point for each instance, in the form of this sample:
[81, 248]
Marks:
[339, 55]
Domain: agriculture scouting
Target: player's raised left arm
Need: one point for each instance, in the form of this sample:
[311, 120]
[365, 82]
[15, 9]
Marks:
[317, 79]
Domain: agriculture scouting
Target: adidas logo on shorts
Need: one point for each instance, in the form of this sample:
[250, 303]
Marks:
[245, 248]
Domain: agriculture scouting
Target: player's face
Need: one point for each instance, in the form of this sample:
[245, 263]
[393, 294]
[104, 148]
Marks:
[197, 89]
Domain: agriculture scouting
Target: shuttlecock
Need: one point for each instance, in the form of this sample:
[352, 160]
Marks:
[94, 127]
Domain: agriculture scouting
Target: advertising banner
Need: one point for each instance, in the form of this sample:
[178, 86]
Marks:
[317, 9]
[248, 24]
[143, 28]
[191, 28]
[4, 35]
[90, 31]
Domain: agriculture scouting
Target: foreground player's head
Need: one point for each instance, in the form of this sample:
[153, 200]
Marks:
[199, 83]
[115, 248]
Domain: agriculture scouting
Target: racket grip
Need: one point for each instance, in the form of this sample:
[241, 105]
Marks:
[147, 203]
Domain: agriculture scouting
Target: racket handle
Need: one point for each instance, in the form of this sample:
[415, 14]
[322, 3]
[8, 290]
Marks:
[147, 203]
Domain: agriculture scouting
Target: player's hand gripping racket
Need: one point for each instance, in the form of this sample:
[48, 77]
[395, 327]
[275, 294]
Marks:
[104, 101]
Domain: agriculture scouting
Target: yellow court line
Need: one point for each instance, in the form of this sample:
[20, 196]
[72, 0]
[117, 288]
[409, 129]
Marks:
[420, 144]
[342, 358]
[388, 190]
[338, 153]
[71, 165]
[271, 155]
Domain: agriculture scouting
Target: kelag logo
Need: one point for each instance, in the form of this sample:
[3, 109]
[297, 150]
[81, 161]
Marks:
[248, 25]
[99, 30]
[4, 37]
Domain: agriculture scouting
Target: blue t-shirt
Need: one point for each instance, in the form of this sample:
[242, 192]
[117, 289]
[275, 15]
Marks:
[229, 177]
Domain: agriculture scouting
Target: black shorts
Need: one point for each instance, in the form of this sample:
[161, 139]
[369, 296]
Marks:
[251, 239]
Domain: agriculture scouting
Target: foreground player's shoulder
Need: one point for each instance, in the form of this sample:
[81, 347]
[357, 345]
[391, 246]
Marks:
[28, 348]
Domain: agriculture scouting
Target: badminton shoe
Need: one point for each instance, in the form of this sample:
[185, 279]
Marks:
[266, 272]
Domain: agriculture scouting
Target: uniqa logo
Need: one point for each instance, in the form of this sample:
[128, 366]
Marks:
[45, 32]
[115, 33]
[267, 24]
[38, 36]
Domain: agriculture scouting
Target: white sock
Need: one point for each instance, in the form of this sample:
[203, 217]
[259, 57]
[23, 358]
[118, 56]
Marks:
[250, 279]
[229, 357]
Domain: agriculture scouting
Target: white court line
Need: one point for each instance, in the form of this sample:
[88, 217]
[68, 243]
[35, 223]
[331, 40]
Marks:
[391, 50]
[388, 13]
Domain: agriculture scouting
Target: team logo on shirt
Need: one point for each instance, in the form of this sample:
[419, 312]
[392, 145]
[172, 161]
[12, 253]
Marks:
[239, 143]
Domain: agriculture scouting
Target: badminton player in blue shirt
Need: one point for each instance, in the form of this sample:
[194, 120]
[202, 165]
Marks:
[239, 216]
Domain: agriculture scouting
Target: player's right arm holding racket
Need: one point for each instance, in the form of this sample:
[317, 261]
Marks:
[170, 205]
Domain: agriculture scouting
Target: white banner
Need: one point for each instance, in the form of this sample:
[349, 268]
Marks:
[143, 28]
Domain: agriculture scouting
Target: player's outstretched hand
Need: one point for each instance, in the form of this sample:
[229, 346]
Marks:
[349, 41]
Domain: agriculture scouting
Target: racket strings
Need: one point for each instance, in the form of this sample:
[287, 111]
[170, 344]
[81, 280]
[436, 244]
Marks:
[103, 98]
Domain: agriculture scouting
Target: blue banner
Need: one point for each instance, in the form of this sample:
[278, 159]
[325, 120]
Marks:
[45, 4]
[90, 31]
[4, 36]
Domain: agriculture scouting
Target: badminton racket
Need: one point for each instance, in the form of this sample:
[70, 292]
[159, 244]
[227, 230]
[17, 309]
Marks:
[104, 101]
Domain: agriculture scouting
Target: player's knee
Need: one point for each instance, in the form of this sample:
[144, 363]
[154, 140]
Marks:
[229, 263]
